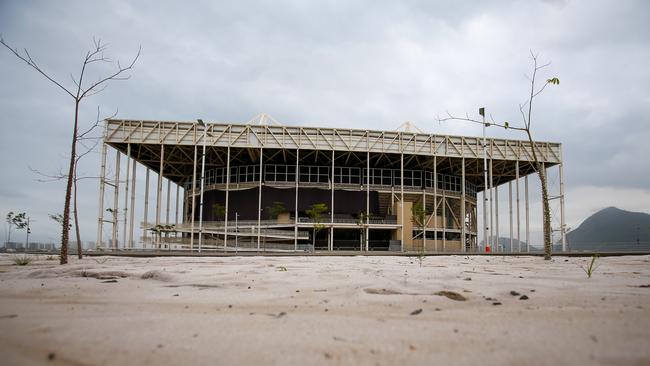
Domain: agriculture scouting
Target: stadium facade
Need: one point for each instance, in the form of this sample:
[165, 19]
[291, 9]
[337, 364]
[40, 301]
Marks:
[263, 186]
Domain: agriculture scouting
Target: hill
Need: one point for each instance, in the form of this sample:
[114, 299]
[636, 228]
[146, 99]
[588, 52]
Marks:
[612, 229]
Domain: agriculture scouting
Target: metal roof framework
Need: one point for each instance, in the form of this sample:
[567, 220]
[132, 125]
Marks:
[179, 138]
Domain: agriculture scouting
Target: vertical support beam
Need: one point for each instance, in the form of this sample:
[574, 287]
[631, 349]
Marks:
[510, 213]
[132, 219]
[435, 203]
[295, 209]
[193, 195]
[126, 196]
[562, 222]
[259, 200]
[367, 200]
[491, 187]
[444, 221]
[401, 199]
[496, 219]
[424, 222]
[178, 188]
[102, 188]
[527, 215]
[116, 195]
[159, 191]
[146, 205]
[225, 223]
[205, 135]
[486, 239]
[331, 241]
[169, 190]
[518, 214]
[462, 209]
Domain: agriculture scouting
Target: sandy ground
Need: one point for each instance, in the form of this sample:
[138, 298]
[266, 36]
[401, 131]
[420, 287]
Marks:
[325, 310]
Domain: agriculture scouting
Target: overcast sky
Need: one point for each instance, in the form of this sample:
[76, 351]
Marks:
[362, 64]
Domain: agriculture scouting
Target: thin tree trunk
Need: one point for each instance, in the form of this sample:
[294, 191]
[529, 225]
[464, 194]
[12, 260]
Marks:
[65, 226]
[76, 219]
[546, 213]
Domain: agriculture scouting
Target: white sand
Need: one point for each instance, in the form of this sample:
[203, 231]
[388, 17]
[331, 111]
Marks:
[326, 310]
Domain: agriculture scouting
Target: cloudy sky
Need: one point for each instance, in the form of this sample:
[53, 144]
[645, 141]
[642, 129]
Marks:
[363, 64]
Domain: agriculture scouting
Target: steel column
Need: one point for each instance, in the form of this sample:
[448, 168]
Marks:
[178, 188]
[435, 203]
[518, 214]
[331, 238]
[491, 186]
[193, 194]
[463, 208]
[259, 200]
[132, 219]
[527, 215]
[295, 219]
[116, 197]
[225, 223]
[205, 136]
[159, 193]
[401, 199]
[169, 190]
[102, 188]
[496, 218]
[146, 206]
[367, 239]
[510, 214]
[126, 195]
[562, 221]
[424, 222]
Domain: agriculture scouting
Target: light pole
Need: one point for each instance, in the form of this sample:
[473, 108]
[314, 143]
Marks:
[486, 228]
[205, 133]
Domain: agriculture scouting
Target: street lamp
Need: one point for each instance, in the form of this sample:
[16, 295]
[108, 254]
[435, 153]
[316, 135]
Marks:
[205, 132]
[486, 228]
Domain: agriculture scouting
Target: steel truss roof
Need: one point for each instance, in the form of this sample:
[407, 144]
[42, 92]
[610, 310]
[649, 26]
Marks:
[179, 137]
